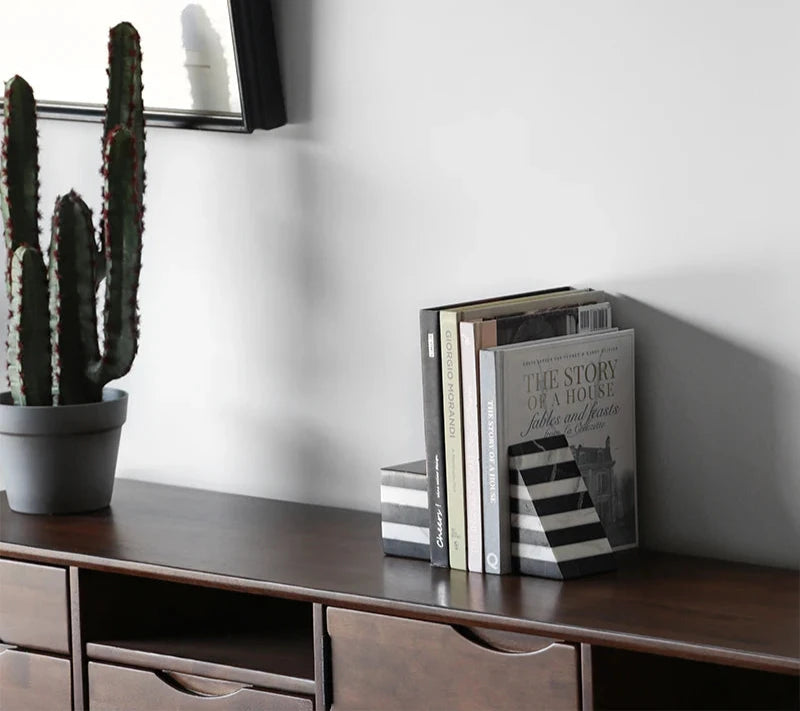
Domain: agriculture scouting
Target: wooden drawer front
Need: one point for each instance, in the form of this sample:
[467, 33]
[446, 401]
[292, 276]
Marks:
[386, 663]
[34, 681]
[34, 607]
[113, 688]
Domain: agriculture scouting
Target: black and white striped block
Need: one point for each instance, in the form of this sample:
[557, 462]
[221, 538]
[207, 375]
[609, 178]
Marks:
[405, 524]
[555, 529]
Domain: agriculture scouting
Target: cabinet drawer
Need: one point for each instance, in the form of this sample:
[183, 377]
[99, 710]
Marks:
[33, 681]
[386, 663]
[113, 688]
[34, 607]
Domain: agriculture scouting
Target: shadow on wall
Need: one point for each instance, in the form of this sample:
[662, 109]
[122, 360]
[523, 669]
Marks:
[294, 36]
[717, 475]
[279, 431]
[320, 466]
[205, 62]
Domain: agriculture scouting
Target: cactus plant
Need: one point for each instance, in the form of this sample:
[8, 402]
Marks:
[53, 352]
[28, 329]
[19, 197]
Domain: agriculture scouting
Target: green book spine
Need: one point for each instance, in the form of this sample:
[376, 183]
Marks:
[453, 438]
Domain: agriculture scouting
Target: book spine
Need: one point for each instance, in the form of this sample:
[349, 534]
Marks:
[470, 345]
[494, 457]
[453, 438]
[433, 417]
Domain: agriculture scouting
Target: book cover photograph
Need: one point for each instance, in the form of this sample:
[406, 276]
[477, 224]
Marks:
[582, 388]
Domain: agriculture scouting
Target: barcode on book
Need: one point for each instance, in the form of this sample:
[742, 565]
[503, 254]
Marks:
[594, 317]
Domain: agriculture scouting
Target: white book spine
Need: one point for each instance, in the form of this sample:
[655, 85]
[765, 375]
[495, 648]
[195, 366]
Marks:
[472, 445]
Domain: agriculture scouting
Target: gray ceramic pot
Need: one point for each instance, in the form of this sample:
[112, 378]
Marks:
[60, 460]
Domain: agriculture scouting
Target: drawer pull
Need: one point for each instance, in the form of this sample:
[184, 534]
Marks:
[504, 642]
[199, 685]
[506, 670]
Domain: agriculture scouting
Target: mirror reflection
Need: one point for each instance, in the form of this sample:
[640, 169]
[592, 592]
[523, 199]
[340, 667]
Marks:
[188, 53]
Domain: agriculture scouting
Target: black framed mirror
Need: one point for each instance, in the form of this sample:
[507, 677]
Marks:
[208, 64]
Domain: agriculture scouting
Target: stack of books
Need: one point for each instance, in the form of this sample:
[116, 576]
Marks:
[529, 433]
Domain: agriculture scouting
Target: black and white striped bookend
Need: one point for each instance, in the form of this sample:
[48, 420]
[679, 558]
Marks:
[405, 525]
[555, 529]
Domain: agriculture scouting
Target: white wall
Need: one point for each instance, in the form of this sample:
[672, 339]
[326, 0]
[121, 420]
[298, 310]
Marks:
[462, 148]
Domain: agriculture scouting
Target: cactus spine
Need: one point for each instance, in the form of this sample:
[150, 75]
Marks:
[66, 366]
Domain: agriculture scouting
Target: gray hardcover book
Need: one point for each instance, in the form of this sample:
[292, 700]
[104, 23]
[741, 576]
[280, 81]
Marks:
[433, 414]
[496, 527]
[580, 387]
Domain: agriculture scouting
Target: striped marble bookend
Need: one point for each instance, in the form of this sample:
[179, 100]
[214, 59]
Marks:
[555, 529]
[404, 510]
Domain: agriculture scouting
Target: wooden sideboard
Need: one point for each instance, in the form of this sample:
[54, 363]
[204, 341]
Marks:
[185, 599]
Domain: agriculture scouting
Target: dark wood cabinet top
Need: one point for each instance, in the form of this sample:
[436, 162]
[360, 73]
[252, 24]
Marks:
[695, 608]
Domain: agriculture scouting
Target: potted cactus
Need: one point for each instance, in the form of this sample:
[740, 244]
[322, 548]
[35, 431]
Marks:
[59, 427]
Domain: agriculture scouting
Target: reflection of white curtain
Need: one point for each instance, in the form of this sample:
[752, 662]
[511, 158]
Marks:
[205, 61]
[61, 49]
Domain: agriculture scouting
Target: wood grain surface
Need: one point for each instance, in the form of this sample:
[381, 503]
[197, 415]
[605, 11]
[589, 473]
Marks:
[694, 608]
[381, 662]
[34, 606]
[34, 682]
[114, 688]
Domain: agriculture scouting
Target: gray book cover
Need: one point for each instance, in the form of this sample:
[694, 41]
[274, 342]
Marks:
[580, 387]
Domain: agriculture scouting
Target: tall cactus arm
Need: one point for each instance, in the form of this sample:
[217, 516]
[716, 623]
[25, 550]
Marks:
[28, 344]
[125, 106]
[19, 182]
[73, 320]
[123, 245]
